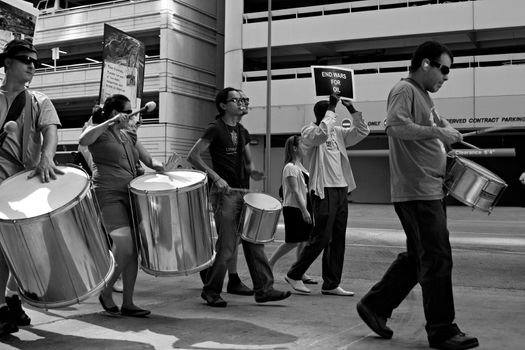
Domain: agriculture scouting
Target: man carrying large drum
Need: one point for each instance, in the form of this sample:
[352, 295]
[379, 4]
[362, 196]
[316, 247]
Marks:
[29, 138]
[228, 143]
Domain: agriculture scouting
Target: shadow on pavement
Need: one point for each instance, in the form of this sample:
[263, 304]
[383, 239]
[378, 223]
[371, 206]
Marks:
[98, 331]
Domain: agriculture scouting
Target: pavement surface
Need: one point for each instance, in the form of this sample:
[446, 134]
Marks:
[489, 289]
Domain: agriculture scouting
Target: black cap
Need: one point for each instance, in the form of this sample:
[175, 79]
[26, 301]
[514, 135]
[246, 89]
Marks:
[13, 47]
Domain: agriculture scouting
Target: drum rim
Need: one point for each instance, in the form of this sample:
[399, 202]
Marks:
[188, 188]
[264, 194]
[67, 206]
[486, 171]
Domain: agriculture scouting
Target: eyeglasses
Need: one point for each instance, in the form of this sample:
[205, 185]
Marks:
[239, 101]
[443, 69]
[26, 60]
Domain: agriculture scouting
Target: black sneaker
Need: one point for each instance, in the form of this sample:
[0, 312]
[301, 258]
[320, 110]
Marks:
[7, 324]
[272, 295]
[214, 300]
[374, 321]
[238, 288]
[15, 307]
[460, 341]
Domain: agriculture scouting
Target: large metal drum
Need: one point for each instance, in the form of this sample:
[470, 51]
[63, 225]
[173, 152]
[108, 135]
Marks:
[259, 217]
[172, 222]
[53, 239]
[473, 185]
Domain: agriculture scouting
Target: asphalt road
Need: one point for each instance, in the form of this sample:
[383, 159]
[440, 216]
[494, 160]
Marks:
[489, 289]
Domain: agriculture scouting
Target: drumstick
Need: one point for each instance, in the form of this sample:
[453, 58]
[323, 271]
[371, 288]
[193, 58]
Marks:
[483, 131]
[469, 145]
[243, 190]
[9, 127]
[148, 107]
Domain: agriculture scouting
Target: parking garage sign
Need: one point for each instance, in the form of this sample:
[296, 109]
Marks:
[330, 79]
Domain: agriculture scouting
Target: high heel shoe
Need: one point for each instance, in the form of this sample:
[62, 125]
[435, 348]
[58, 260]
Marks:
[113, 311]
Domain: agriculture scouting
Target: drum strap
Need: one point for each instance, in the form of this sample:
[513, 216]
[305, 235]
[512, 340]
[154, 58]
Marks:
[14, 112]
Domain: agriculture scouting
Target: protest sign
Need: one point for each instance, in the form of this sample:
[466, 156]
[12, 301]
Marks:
[329, 80]
[123, 66]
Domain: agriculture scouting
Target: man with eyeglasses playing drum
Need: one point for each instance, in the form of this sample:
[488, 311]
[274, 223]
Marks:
[228, 143]
[418, 138]
[22, 149]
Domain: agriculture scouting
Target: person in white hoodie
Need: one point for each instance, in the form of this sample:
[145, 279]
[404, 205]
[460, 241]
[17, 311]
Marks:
[331, 179]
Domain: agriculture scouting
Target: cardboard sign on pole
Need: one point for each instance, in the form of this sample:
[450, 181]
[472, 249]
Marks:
[17, 21]
[123, 66]
[329, 80]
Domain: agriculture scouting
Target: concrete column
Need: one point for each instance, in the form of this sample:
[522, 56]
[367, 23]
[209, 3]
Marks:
[233, 58]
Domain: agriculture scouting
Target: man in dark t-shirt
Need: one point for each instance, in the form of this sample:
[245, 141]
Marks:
[228, 143]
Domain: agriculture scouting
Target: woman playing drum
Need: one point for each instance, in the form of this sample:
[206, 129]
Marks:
[297, 219]
[115, 153]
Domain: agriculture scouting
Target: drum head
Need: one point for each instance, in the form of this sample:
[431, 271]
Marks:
[177, 179]
[24, 198]
[262, 201]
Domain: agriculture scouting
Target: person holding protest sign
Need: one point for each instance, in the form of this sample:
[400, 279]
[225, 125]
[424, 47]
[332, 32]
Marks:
[115, 151]
[331, 180]
[29, 144]
[417, 138]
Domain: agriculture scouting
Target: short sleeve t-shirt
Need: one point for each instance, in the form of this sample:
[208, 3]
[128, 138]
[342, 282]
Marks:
[227, 151]
[417, 167]
[12, 147]
[112, 168]
[293, 170]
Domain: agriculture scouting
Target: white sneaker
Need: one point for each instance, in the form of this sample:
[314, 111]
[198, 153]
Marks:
[297, 285]
[337, 291]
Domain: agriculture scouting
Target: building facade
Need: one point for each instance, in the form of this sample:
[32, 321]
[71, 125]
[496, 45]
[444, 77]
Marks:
[195, 47]
[376, 38]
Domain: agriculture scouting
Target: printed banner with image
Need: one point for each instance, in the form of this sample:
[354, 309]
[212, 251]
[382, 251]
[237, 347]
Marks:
[329, 80]
[17, 21]
[123, 66]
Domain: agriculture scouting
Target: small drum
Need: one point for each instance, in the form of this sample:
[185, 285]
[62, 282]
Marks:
[53, 239]
[473, 185]
[259, 217]
[172, 222]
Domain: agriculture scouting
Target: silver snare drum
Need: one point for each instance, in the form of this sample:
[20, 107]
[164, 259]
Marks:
[53, 239]
[259, 218]
[473, 185]
[172, 222]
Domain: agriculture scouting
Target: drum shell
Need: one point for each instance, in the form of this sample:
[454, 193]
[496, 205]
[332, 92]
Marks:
[258, 225]
[173, 229]
[473, 185]
[59, 258]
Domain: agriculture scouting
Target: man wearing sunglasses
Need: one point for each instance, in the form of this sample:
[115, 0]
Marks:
[418, 139]
[228, 143]
[30, 144]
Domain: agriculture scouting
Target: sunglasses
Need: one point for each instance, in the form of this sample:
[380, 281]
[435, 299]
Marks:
[443, 69]
[239, 101]
[26, 60]
[129, 111]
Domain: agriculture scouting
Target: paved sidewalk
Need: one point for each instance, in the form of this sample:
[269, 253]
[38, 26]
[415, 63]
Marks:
[489, 296]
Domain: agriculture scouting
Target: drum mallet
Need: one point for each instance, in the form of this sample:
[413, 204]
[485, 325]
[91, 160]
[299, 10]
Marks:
[480, 131]
[148, 107]
[483, 131]
[9, 127]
